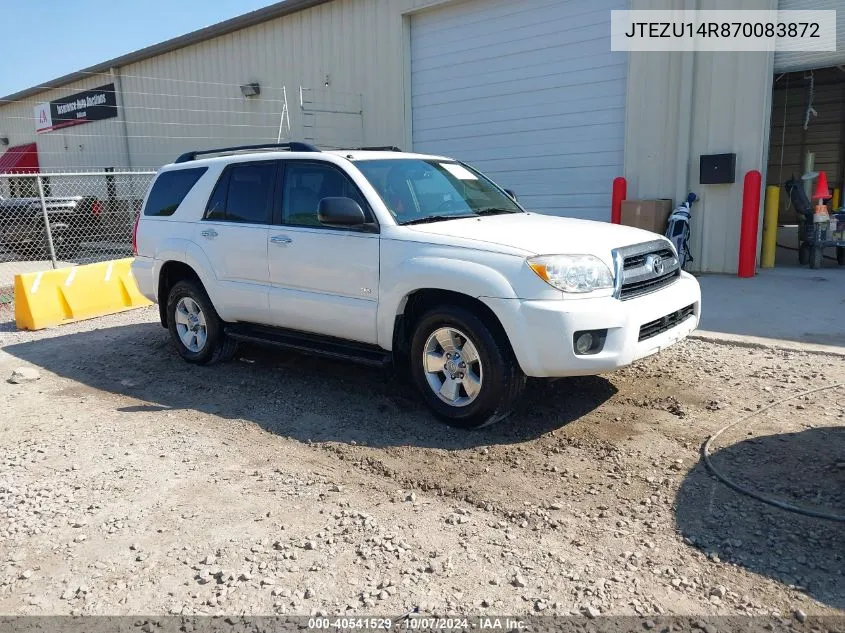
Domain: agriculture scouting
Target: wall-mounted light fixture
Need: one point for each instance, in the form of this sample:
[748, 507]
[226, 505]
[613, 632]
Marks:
[4, 140]
[251, 89]
[328, 80]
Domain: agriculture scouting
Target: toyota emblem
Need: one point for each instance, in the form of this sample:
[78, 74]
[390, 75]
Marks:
[655, 262]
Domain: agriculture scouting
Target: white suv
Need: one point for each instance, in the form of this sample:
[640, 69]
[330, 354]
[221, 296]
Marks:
[383, 257]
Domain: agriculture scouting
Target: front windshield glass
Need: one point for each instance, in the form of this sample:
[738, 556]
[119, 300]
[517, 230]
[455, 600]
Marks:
[417, 190]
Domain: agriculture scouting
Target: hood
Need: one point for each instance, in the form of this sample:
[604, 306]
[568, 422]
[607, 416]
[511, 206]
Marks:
[538, 234]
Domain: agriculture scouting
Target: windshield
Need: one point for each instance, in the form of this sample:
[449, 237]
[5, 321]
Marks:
[416, 190]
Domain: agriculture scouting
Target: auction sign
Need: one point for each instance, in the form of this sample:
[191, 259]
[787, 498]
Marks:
[83, 107]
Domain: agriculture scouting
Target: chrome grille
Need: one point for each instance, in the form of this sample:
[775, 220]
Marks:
[644, 268]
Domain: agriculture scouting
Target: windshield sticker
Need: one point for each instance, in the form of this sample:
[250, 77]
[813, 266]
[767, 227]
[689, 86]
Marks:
[459, 171]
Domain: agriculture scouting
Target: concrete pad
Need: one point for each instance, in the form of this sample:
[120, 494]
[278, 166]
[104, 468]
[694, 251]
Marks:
[778, 306]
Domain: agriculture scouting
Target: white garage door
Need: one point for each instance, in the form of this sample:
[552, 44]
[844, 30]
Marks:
[791, 61]
[529, 92]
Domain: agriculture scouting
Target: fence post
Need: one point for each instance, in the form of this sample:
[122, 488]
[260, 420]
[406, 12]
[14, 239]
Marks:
[46, 221]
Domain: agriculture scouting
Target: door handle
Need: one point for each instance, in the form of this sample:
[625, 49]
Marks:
[210, 233]
[281, 239]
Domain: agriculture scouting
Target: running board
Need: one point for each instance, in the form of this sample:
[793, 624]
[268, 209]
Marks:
[315, 344]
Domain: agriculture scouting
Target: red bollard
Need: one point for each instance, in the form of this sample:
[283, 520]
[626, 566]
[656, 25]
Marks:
[620, 193]
[750, 224]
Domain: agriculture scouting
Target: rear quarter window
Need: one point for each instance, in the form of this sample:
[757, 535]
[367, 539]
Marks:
[170, 188]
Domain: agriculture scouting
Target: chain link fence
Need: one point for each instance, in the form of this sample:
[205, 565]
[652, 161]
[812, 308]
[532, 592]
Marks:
[51, 220]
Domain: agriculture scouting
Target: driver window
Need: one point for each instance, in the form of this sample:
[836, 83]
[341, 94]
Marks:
[308, 183]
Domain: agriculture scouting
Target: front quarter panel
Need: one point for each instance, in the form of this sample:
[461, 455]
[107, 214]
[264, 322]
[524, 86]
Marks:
[407, 267]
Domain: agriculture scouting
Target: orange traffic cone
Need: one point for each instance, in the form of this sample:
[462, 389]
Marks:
[822, 190]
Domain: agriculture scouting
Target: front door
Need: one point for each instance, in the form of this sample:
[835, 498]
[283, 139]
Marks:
[322, 280]
[233, 235]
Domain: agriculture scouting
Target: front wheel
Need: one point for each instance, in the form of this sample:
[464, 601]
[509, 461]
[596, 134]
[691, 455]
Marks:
[466, 373]
[840, 255]
[194, 326]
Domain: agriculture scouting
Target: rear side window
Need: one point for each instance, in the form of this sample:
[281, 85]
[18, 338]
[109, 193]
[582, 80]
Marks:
[170, 188]
[244, 193]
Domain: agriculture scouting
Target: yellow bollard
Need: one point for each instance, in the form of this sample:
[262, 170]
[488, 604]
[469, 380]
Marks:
[834, 205]
[770, 227]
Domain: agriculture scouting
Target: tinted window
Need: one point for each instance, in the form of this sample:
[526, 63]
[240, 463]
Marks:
[170, 188]
[308, 183]
[250, 193]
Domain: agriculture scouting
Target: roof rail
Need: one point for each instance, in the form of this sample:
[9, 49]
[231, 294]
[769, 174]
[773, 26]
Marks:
[294, 146]
[376, 148]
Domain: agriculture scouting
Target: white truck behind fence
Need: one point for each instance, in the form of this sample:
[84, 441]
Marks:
[50, 220]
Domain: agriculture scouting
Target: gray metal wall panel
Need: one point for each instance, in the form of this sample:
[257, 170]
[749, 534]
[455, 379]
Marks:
[89, 146]
[527, 92]
[792, 61]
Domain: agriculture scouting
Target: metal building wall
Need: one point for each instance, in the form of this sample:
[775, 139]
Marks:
[683, 105]
[93, 145]
[357, 45]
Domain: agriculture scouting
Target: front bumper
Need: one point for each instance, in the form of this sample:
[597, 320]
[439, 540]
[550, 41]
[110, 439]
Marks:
[541, 332]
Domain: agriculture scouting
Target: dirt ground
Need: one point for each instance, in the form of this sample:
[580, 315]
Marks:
[133, 483]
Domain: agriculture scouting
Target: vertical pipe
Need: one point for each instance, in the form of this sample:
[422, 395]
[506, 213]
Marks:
[834, 204]
[620, 193]
[749, 224]
[770, 227]
[47, 228]
[809, 163]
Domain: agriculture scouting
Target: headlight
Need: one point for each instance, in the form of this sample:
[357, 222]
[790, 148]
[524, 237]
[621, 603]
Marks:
[572, 273]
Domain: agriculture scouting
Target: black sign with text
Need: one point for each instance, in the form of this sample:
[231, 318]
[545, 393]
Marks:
[83, 107]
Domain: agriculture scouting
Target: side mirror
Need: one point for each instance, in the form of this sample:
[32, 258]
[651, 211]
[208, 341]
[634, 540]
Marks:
[340, 212]
[511, 194]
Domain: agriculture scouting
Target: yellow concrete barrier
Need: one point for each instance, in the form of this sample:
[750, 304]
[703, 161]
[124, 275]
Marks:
[64, 295]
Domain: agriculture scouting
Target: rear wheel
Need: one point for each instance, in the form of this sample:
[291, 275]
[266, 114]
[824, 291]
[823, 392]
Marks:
[466, 373]
[194, 326]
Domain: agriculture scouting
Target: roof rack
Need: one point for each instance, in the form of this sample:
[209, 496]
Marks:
[376, 148]
[294, 146]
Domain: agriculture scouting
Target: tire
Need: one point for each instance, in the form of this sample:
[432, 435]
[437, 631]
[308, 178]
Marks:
[497, 380]
[804, 254]
[204, 328]
[840, 255]
[816, 256]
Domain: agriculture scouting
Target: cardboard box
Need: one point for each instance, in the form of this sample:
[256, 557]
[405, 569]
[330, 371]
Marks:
[651, 215]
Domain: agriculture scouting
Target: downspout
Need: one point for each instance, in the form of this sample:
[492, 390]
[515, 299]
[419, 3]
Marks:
[118, 93]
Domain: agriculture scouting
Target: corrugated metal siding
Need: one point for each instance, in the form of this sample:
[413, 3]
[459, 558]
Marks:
[791, 61]
[529, 92]
[358, 44]
[727, 111]
[190, 98]
[90, 146]
[824, 136]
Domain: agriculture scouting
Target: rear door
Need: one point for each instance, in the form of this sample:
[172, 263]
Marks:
[233, 234]
[322, 280]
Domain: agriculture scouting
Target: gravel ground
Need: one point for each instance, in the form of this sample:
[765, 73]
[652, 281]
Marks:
[132, 483]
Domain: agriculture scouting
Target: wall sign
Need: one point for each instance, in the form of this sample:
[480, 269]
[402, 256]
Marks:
[82, 107]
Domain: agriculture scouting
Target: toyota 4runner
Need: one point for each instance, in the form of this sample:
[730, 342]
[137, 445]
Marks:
[386, 257]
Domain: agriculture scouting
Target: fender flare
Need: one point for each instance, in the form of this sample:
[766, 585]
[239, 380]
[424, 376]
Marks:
[188, 253]
[434, 273]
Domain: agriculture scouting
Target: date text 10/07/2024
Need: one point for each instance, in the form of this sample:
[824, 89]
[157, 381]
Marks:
[416, 624]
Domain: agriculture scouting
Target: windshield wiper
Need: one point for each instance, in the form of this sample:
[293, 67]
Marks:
[495, 211]
[435, 218]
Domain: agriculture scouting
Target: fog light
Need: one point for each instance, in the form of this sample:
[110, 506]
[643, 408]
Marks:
[583, 343]
[589, 342]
